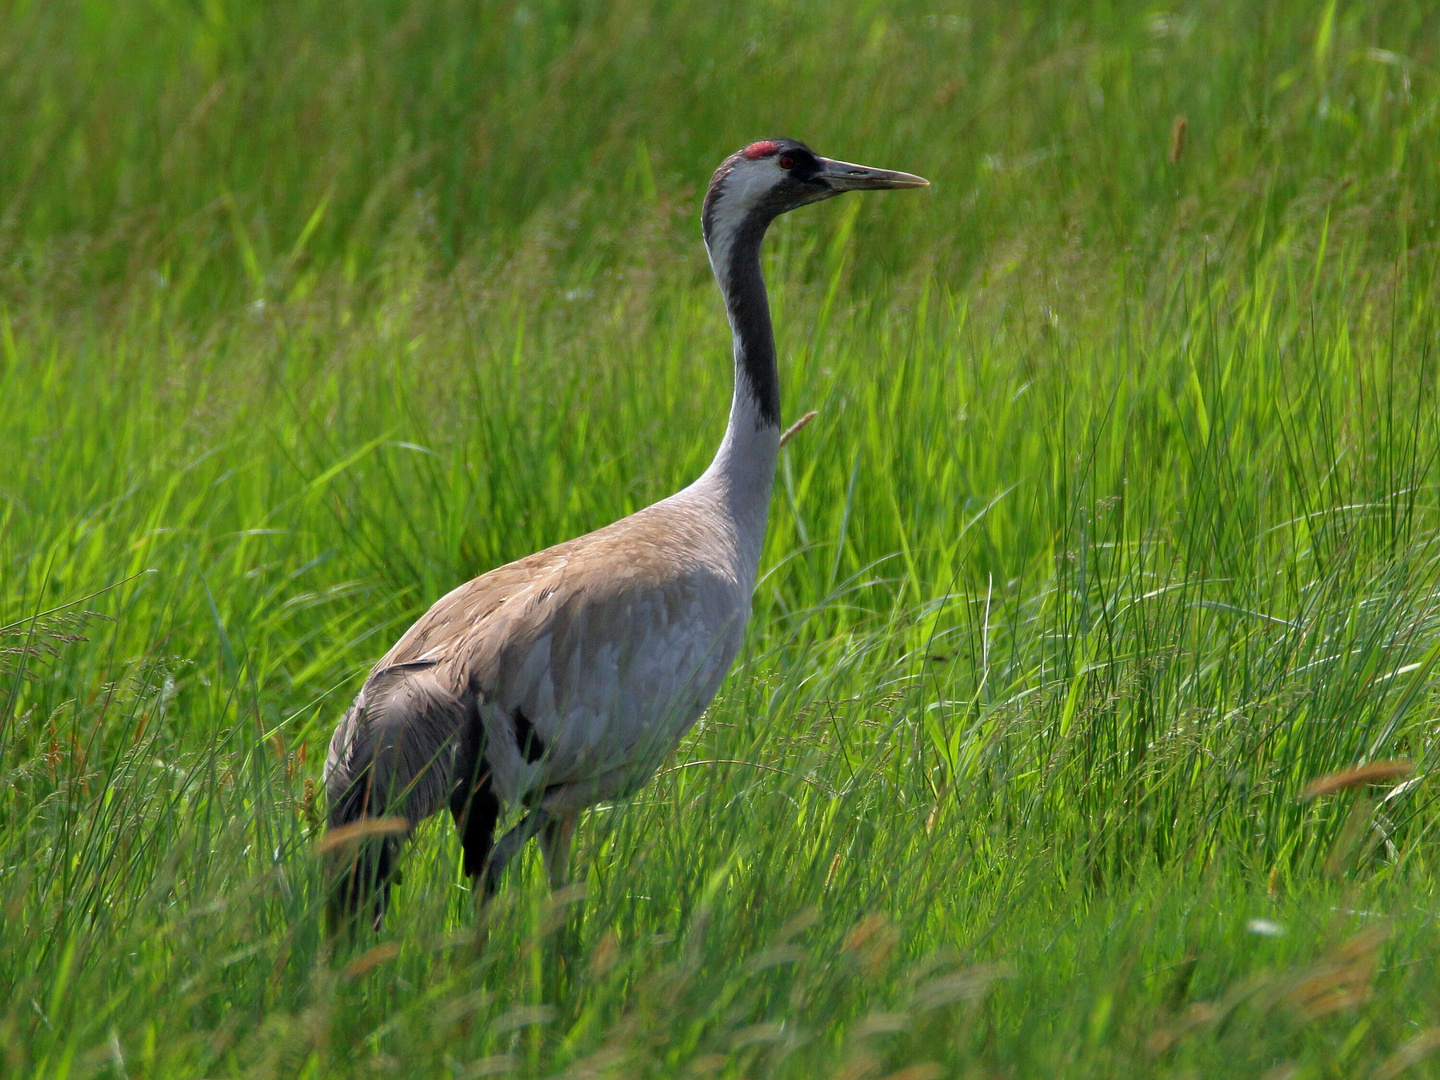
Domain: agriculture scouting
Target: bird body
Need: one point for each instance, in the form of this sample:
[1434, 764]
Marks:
[593, 651]
[563, 679]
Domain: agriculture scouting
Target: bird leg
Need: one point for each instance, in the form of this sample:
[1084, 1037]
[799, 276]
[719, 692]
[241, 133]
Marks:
[555, 844]
[477, 810]
[509, 845]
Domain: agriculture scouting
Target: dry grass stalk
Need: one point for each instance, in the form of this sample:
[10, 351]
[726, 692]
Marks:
[1177, 140]
[872, 940]
[350, 835]
[494, 1065]
[858, 1065]
[1341, 980]
[882, 1023]
[925, 1070]
[1411, 1052]
[707, 1065]
[797, 427]
[967, 984]
[606, 954]
[1199, 1016]
[1376, 772]
[371, 959]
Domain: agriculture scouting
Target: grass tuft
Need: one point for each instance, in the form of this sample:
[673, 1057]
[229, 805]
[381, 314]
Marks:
[1116, 551]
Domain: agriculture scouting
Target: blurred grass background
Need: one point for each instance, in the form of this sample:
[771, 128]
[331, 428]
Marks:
[1115, 530]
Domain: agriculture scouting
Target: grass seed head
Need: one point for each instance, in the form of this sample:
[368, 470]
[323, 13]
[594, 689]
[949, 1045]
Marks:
[1177, 140]
[1376, 772]
[352, 835]
[371, 959]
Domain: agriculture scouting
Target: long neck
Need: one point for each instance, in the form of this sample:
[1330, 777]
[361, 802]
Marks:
[743, 285]
[744, 466]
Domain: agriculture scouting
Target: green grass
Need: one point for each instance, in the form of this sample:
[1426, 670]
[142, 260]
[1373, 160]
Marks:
[1120, 523]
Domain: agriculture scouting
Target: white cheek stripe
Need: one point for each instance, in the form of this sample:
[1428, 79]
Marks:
[743, 189]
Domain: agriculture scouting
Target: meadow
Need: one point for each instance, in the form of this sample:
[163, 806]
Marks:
[1116, 530]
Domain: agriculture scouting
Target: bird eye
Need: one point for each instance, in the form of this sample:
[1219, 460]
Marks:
[787, 162]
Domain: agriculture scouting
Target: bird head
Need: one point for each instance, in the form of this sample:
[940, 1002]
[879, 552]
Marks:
[757, 184]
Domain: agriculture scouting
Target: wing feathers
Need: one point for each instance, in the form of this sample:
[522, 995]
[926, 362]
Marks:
[610, 645]
[393, 752]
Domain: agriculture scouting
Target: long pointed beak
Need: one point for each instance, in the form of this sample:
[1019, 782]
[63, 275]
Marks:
[843, 176]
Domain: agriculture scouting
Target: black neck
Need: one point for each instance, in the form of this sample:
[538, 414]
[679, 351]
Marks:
[749, 309]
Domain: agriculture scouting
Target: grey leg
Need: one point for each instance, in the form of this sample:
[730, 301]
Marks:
[555, 845]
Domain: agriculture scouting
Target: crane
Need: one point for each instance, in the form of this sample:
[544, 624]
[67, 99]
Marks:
[563, 679]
